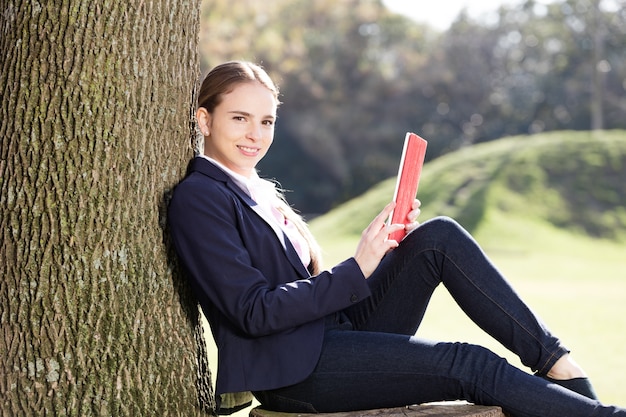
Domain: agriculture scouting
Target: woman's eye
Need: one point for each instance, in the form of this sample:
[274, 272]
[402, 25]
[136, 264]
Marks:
[268, 122]
[239, 118]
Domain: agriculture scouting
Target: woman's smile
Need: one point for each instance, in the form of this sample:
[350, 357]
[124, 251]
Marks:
[248, 151]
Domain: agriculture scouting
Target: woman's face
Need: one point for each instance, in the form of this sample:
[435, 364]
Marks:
[240, 130]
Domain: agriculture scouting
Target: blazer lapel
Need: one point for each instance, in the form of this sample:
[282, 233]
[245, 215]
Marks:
[207, 168]
[294, 258]
[290, 251]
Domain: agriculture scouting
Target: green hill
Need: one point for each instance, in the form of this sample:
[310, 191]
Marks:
[573, 181]
[549, 209]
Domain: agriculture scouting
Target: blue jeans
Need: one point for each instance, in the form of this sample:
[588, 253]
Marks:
[371, 358]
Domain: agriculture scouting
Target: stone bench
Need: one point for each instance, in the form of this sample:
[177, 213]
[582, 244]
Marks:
[451, 409]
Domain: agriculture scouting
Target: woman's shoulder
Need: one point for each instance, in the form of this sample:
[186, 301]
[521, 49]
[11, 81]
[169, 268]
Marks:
[202, 174]
[198, 197]
[207, 188]
[198, 186]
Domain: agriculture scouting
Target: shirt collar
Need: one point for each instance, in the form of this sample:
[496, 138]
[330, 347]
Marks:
[241, 181]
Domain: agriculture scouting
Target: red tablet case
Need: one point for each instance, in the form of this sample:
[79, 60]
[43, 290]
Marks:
[409, 172]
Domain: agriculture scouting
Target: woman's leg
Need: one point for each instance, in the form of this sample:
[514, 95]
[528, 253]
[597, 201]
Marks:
[363, 370]
[442, 251]
[383, 365]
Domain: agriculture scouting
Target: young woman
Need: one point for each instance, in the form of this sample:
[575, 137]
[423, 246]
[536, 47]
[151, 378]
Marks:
[310, 340]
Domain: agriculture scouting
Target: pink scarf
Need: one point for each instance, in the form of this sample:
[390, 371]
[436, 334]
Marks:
[264, 193]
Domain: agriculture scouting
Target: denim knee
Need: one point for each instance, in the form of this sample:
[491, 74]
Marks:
[444, 226]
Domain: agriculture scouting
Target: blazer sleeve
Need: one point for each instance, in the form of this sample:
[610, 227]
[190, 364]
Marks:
[238, 267]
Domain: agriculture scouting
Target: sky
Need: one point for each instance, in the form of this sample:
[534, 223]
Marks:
[441, 13]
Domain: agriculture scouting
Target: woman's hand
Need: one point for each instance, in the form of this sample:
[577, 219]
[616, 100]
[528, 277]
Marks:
[374, 243]
[412, 217]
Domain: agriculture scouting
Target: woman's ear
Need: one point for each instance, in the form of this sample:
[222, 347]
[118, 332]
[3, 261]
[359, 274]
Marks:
[204, 121]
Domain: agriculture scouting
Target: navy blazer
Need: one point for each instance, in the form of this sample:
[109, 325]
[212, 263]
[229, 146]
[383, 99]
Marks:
[265, 310]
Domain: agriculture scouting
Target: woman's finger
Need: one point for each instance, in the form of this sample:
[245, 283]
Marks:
[413, 215]
[380, 221]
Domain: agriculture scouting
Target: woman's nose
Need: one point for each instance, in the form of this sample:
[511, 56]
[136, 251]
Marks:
[254, 132]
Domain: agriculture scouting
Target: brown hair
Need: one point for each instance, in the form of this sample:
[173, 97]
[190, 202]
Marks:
[223, 78]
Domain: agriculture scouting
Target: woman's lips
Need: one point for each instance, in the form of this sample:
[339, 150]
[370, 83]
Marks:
[246, 150]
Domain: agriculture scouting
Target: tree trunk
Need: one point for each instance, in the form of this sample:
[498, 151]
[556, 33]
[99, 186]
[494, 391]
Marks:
[95, 127]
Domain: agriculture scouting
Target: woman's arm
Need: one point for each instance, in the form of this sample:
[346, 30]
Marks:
[238, 266]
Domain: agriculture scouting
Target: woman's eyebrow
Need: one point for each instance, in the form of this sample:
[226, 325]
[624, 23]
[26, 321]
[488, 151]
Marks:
[247, 114]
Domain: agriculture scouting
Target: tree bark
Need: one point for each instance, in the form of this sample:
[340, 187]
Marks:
[95, 124]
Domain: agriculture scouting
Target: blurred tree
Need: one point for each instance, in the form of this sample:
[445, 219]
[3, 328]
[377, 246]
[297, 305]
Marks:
[94, 119]
[558, 66]
[355, 78]
[344, 69]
